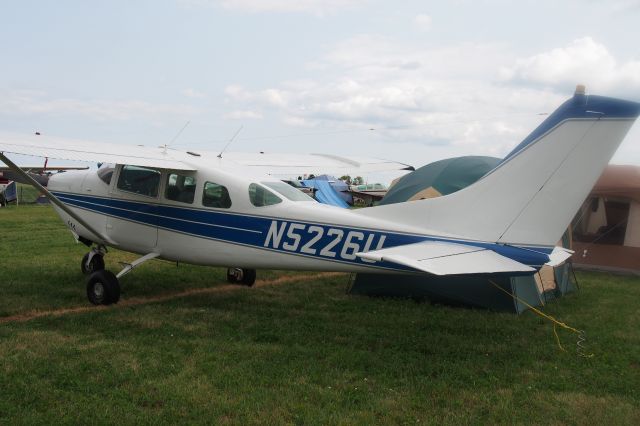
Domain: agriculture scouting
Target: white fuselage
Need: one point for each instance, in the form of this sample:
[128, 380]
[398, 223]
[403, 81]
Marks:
[303, 235]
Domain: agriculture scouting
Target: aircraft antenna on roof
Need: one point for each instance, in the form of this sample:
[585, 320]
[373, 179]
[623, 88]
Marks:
[176, 136]
[229, 143]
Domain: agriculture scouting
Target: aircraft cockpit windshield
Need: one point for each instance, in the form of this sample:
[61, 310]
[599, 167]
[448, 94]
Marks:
[105, 172]
[288, 191]
[260, 196]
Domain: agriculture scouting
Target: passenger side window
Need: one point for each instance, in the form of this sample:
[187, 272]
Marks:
[260, 196]
[139, 180]
[180, 188]
[214, 195]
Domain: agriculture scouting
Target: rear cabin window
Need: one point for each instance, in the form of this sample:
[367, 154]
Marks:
[261, 197]
[139, 180]
[180, 188]
[214, 195]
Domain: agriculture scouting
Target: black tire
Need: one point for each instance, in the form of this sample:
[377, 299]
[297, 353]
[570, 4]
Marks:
[248, 277]
[103, 288]
[241, 276]
[96, 264]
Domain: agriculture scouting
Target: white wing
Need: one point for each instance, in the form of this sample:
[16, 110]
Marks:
[287, 165]
[75, 150]
[440, 258]
[278, 165]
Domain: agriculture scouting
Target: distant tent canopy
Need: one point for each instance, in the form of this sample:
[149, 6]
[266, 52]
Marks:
[336, 183]
[443, 178]
[607, 227]
[439, 178]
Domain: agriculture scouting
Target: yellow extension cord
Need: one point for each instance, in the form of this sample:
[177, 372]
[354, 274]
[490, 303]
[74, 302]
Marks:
[581, 335]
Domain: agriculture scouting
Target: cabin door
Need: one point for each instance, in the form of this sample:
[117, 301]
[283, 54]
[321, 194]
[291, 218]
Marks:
[132, 221]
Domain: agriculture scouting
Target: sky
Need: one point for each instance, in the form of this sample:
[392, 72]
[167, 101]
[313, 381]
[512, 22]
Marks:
[411, 81]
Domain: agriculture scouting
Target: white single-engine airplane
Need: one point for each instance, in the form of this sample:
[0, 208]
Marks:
[207, 210]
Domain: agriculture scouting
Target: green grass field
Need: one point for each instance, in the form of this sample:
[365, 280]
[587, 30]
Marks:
[182, 346]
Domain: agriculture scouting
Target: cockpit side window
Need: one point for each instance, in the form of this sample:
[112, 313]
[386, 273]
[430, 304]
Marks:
[260, 196]
[180, 188]
[214, 195]
[105, 173]
[139, 180]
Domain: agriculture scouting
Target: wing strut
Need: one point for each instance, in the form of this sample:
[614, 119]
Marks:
[128, 267]
[52, 197]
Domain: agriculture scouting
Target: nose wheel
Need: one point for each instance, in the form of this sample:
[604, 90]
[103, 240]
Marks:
[241, 276]
[103, 287]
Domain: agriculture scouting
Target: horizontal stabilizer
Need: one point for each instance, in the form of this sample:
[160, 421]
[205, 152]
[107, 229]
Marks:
[559, 255]
[441, 258]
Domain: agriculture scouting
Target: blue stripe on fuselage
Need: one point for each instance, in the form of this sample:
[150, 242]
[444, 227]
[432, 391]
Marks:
[317, 240]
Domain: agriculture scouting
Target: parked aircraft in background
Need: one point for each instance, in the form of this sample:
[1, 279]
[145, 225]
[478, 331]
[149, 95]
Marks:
[368, 193]
[8, 190]
[193, 208]
[7, 173]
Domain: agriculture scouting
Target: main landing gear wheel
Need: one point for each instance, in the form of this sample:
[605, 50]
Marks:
[103, 288]
[96, 264]
[241, 276]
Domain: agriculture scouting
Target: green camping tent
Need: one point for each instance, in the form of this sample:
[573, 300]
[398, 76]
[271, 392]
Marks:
[440, 178]
[445, 177]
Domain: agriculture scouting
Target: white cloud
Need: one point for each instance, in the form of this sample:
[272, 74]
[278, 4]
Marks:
[375, 56]
[625, 5]
[583, 61]
[315, 7]
[237, 93]
[438, 96]
[26, 102]
[243, 115]
[192, 93]
[422, 22]
[432, 103]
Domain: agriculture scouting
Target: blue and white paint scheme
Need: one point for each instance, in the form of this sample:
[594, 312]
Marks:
[230, 216]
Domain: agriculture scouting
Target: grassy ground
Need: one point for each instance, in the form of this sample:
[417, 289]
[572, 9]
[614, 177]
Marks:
[293, 350]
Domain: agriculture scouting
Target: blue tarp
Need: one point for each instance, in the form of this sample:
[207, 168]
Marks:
[339, 186]
[325, 193]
